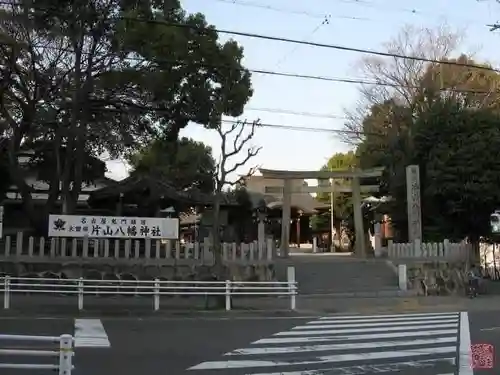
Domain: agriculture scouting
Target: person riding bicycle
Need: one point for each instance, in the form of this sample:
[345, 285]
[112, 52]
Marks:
[474, 277]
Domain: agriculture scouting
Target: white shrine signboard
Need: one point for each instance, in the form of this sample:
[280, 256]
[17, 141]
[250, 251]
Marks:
[113, 227]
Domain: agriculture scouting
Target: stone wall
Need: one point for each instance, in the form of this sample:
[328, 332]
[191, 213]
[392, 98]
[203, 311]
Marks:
[108, 272]
[437, 278]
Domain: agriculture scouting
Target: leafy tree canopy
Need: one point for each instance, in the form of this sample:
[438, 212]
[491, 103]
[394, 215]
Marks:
[342, 205]
[187, 164]
[450, 129]
[108, 76]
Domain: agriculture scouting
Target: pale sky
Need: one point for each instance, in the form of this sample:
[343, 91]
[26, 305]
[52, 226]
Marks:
[354, 23]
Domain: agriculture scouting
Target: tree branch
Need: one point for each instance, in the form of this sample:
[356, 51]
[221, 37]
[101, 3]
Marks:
[239, 143]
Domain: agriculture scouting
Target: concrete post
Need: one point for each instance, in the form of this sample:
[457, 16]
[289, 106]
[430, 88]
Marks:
[358, 218]
[402, 277]
[286, 216]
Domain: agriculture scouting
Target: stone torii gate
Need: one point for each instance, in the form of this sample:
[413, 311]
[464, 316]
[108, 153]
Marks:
[355, 188]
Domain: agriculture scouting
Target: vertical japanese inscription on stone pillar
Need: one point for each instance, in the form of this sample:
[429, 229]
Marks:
[414, 205]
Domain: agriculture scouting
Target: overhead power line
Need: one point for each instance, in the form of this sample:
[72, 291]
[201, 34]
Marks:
[302, 76]
[252, 4]
[300, 128]
[288, 40]
[132, 107]
[288, 75]
[366, 4]
[315, 44]
[296, 113]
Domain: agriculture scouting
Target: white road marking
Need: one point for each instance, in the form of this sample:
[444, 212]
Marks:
[343, 346]
[490, 329]
[368, 369]
[377, 324]
[401, 318]
[465, 358]
[380, 316]
[215, 365]
[378, 336]
[350, 345]
[90, 333]
[376, 329]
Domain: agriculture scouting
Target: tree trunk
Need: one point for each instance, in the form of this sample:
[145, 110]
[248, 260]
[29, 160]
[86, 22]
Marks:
[18, 178]
[218, 261]
[220, 270]
[69, 165]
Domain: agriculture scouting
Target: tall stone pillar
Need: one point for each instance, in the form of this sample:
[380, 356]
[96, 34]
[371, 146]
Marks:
[358, 218]
[285, 218]
[413, 200]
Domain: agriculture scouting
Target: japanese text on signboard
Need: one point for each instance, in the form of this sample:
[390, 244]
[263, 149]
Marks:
[112, 227]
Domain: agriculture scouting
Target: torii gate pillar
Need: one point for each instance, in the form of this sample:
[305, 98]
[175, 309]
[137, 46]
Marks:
[286, 217]
[360, 244]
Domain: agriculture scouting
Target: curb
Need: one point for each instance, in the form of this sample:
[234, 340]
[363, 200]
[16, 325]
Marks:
[154, 314]
[396, 293]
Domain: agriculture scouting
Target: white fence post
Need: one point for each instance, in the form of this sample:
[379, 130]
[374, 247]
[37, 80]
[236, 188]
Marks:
[156, 296]
[402, 276]
[65, 354]
[228, 295]
[390, 249]
[6, 292]
[80, 294]
[291, 287]
[417, 248]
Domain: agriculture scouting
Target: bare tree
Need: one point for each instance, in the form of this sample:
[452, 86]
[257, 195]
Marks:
[399, 78]
[235, 142]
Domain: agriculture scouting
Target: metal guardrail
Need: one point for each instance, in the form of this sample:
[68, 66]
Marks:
[64, 353]
[154, 288]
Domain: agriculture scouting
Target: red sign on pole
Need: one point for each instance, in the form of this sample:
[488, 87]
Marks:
[483, 356]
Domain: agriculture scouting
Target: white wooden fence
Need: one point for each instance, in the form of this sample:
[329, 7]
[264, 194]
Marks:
[445, 251]
[130, 252]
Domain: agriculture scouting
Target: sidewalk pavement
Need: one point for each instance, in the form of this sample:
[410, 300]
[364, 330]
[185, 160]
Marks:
[305, 305]
[399, 305]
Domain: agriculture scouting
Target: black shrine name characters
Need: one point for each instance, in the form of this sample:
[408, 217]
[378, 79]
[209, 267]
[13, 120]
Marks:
[109, 227]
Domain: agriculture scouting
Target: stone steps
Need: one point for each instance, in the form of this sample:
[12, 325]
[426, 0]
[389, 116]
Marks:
[343, 277]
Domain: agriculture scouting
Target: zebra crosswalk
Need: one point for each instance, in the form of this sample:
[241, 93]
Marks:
[352, 345]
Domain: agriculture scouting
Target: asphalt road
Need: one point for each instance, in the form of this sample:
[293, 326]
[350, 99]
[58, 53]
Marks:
[413, 344]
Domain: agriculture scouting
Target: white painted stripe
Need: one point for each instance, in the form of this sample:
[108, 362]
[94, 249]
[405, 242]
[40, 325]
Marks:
[402, 318]
[381, 316]
[361, 330]
[90, 333]
[376, 324]
[377, 336]
[368, 369]
[465, 356]
[343, 346]
[216, 365]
